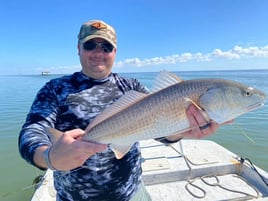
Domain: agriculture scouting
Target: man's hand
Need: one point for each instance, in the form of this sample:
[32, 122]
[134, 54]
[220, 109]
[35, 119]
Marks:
[68, 152]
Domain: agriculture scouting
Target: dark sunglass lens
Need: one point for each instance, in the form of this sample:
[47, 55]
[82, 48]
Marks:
[89, 45]
[107, 47]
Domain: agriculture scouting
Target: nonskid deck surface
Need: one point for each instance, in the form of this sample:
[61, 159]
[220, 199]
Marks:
[199, 170]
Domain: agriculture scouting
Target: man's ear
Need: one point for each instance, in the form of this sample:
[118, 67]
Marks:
[78, 48]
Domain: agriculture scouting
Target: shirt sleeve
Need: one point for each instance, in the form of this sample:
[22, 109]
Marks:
[140, 87]
[164, 140]
[126, 84]
[42, 115]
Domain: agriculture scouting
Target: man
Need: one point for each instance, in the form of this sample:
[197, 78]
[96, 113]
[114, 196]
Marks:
[87, 170]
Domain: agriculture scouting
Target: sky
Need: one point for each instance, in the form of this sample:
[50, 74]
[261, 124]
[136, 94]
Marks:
[153, 35]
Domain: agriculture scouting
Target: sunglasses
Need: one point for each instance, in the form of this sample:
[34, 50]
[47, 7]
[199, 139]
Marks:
[92, 45]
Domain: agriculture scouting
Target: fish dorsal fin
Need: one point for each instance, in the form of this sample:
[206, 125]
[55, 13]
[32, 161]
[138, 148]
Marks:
[122, 103]
[165, 79]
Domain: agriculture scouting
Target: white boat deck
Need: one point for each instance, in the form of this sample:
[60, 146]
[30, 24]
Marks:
[190, 170]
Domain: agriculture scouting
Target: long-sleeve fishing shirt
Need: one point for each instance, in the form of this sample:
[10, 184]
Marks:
[73, 102]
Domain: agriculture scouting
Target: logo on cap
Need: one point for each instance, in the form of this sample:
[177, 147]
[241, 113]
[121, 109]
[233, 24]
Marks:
[99, 25]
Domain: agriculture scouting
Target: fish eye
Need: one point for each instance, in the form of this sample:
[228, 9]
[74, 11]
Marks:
[248, 92]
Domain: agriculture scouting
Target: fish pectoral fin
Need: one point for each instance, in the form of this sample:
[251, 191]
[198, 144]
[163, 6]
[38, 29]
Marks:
[54, 134]
[205, 115]
[190, 101]
[120, 150]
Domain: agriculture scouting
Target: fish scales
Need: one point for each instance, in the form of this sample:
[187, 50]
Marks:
[157, 115]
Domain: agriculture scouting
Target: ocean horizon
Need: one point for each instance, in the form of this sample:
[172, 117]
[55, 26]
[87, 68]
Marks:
[247, 136]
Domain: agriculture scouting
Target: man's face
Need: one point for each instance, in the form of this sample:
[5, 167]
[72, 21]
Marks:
[96, 58]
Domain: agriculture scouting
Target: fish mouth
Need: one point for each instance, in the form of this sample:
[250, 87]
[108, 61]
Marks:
[255, 106]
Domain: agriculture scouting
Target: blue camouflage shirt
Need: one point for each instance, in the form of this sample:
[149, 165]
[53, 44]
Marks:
[73, 102]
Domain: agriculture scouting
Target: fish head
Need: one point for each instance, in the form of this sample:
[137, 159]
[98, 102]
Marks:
[225, 100]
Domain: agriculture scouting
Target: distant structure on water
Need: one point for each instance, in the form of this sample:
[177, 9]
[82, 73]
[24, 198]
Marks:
[45, 73]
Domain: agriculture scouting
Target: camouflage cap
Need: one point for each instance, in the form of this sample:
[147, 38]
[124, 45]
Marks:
[97, 29]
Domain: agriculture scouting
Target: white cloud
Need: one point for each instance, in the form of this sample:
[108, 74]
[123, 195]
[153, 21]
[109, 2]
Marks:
[236, 53]
[227, 55]
[252, 51]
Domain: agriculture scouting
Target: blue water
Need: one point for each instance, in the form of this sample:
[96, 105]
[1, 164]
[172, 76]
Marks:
[18, 92]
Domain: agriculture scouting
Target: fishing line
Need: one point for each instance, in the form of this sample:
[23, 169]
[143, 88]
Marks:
[21, 189]
[37, 182]
[243, 132]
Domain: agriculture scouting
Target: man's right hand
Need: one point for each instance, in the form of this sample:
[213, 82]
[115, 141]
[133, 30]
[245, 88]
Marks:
[68, 152]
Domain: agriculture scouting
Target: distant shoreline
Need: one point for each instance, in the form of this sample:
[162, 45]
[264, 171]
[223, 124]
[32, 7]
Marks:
[183, 71]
